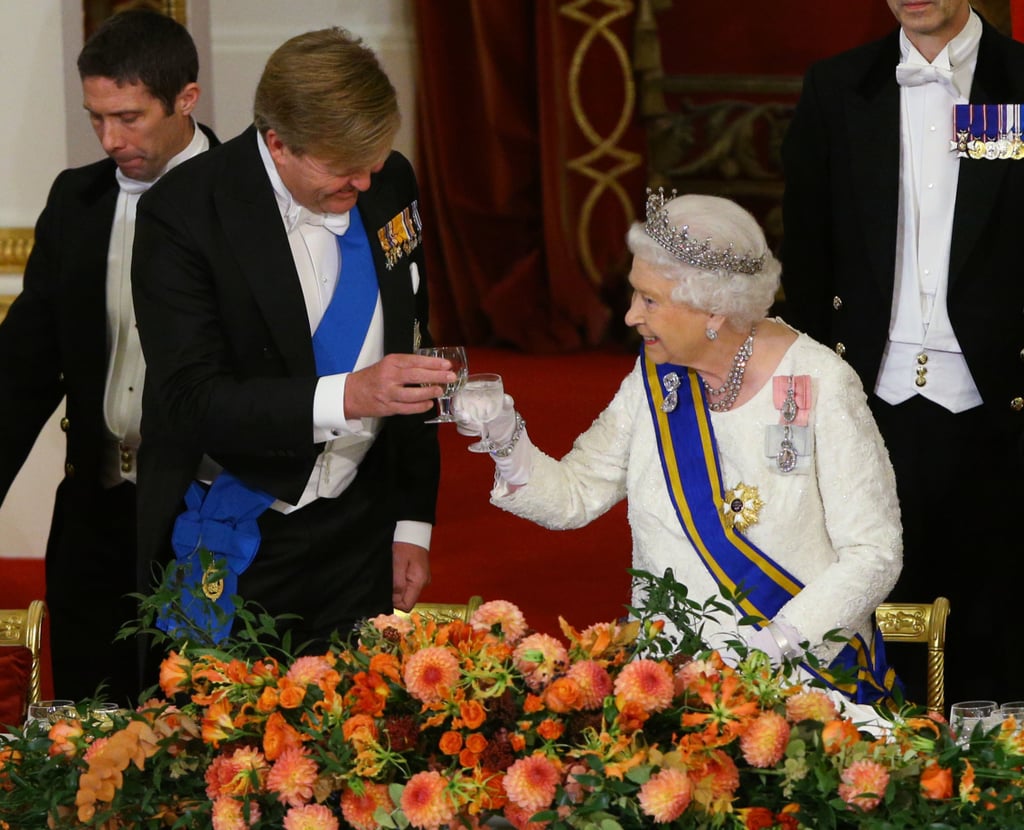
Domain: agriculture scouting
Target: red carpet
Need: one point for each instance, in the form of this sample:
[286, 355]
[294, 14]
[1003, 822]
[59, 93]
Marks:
[479, 549]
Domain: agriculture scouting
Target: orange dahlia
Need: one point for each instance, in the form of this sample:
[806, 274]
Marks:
[863, 784]
[426, 802]
[292, 777]
[237, 773]
[310, 817]
[594, 682]
[431, 673]
[645, 683]
[665, 795]
[358, 810]
[540, 658]
[764, 741]
[531, 782]
[308, 670]
[229, 814]
[810, 705]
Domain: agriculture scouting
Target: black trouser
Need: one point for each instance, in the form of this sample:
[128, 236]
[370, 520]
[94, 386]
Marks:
[960, 488]
[90, 570]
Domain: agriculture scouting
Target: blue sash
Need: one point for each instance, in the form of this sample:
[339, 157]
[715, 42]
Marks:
[689, 460]
[223, 518]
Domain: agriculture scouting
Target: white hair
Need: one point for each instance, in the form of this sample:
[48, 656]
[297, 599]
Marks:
[742, 299]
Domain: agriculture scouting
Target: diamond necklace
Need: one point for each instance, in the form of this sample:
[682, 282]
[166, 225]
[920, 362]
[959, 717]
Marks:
[729, 390]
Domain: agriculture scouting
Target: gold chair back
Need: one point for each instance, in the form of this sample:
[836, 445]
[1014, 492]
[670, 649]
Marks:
[920, 622]
[444, 612]
[24, 627]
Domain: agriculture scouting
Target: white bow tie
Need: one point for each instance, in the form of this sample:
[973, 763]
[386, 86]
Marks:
[916, 74]
[336, 223]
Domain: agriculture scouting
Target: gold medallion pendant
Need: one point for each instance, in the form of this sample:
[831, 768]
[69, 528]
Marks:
[741, 506]
[212, 588]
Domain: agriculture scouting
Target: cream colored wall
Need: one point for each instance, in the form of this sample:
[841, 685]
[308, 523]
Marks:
[48, 132]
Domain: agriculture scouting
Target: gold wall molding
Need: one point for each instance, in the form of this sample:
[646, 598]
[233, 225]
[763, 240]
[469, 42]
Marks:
[606, 162]
[15, 246]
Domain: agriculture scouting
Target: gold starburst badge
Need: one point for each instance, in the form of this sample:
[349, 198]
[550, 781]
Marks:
[741, 506]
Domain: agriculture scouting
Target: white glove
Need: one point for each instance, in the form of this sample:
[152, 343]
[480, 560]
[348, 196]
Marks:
[499, 428]
[779, 640]
[514, 468]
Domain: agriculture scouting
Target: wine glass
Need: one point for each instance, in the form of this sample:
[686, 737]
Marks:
[44, 713]
[480, 400]
[456, 355]
[967, 714]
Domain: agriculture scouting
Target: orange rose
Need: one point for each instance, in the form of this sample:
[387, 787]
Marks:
[450, 743]
[291, 696]
[63, 735]
[472, 714]
[551, 730]
[268, 700]
[476, 743]
[467, 758]
[838, 734]
[175, 674]
[936, 781]
[532, 704]
[563, 695]
[517, 741]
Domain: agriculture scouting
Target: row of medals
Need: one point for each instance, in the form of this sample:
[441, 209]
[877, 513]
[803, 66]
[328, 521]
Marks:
[1005, 146]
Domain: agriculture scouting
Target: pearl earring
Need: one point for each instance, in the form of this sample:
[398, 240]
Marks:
[711, 334]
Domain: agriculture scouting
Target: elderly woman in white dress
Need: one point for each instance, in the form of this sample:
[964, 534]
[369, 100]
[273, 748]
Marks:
[745, 449]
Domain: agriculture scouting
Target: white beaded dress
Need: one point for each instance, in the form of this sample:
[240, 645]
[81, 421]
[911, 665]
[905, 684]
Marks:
[834, 524]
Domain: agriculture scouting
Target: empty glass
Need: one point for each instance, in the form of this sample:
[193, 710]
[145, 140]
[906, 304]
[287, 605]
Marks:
[967, 714]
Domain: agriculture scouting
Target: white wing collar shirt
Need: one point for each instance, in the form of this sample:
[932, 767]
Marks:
[126, 369]
[923, 356]
[313, 241]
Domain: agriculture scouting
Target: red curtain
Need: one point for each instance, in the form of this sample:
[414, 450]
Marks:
[530, 169]
[1017, 18]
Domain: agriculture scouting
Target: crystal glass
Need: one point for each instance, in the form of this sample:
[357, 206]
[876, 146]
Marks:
[480, 400]
[967, 714]
[46, 712]
[456, 355]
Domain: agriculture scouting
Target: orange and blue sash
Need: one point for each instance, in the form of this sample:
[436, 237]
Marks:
[689, 460]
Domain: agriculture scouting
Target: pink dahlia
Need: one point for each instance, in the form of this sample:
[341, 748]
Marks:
[540, 657]
[308, 670]
[426, 802]
[647, 684]
[431, 673]
[594, 682]
[764, 740]
[310, 817]
[665, 795]
[382, 622]
[358, 810]
[810, 705]
[501, 613]
[864, 784]
[292, 777]
[531, 782]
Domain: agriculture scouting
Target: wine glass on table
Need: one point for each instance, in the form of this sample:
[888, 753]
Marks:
[456, 355]
[42, 714]
[967, 714]
[480, 400]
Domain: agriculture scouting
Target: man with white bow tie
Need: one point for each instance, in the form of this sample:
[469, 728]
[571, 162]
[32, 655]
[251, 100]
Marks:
[280, 293]
[71, 334]
[904, 255]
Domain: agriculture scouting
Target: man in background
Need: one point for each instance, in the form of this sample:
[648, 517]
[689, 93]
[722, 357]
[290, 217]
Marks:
[279, 287]
[71, 334]
[904, 255]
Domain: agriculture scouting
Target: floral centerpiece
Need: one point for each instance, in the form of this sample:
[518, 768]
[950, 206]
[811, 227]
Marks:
[416, 723]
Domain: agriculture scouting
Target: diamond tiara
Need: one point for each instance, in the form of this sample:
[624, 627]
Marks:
[679, 243]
